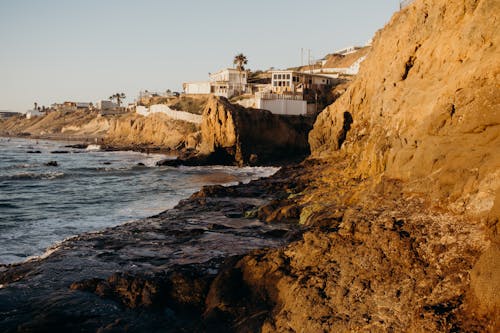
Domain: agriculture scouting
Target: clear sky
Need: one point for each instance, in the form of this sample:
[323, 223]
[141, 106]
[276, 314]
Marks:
[86, 50]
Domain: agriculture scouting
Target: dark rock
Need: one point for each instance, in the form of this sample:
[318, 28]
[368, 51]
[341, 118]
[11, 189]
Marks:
[78, 146]
[59, 152]
[160, 274]
[52, 163]
[34, 152]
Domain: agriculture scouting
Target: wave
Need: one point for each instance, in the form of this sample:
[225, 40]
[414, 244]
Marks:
[7, 205]
[21, 166]
[93, 148]
[34, 176]
[48, 251]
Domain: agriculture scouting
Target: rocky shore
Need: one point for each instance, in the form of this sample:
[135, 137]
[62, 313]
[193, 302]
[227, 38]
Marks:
[391, 225]
[167, 273]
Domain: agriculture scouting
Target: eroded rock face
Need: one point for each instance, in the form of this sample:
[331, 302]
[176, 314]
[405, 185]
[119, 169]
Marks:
[425, 114]
[155, 130]
[251, 136]
[425, 106]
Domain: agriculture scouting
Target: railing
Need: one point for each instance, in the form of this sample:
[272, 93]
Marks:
[404, 3]
[271, 96]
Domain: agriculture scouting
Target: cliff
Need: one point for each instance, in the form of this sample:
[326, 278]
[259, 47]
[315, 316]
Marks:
[80, 125]
[233, 134]
[425, 107]
[128, 130]
[399, 207]
[402, 188]
[155, 130]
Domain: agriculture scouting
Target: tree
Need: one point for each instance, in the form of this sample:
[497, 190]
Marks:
[119, 97]
[240, 60]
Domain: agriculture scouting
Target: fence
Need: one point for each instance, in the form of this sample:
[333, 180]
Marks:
[174, 114]
[271, 96]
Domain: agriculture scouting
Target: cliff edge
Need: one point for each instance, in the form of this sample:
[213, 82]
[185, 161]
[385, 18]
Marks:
[402, 189]
[425, 106]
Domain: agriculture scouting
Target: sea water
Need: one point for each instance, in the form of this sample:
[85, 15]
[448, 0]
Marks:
[88, 190]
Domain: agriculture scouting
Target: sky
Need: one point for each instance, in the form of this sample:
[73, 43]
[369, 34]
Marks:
[86, 50]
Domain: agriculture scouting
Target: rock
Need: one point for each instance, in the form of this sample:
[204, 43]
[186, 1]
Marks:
[52, 163]
[233, 134]
[59, 152]
[34, 152]
[152, 275]
[78, 146]
[417, 113]
[154, 130]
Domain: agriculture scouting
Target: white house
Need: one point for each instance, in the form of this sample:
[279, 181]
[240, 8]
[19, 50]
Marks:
[196, 87]
[283, 81]
[105, 105]
[227, 82]
[33, 113]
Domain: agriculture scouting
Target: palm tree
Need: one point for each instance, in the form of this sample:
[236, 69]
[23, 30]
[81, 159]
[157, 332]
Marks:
[240, 60]
[118, 97]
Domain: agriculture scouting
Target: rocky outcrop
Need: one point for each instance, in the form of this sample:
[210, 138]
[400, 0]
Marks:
[399, 206]
[411, 152]
[173, 272]
[155, 130]
[239, 135]
[425, 106]
[79, 125]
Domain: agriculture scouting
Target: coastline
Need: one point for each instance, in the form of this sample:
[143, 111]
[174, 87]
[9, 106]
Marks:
[82, 143]
[157, 256]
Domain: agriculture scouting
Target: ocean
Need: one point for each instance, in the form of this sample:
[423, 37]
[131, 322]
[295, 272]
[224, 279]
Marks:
[50, 191]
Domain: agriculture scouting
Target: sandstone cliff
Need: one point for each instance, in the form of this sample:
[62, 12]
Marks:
[154, 130]
[402, 189]
[120, 131]
[79, 125]
[236, 134]
[425, 107]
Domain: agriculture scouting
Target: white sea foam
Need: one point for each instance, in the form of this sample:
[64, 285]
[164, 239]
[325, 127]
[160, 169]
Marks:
[51, 249]
[93, 148]
[33, 175]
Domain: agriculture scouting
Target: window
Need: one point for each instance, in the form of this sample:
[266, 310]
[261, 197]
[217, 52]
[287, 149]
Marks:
[279, 76]
[288, 76]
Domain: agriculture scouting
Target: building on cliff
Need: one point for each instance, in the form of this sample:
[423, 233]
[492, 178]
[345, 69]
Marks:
[290, 81]
[33, 113]
[227, 83]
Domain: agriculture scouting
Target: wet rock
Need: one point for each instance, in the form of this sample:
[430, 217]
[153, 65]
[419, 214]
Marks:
[59, 152]
[78, 146]
[150, 275]
[52, 163]
[34, 152]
